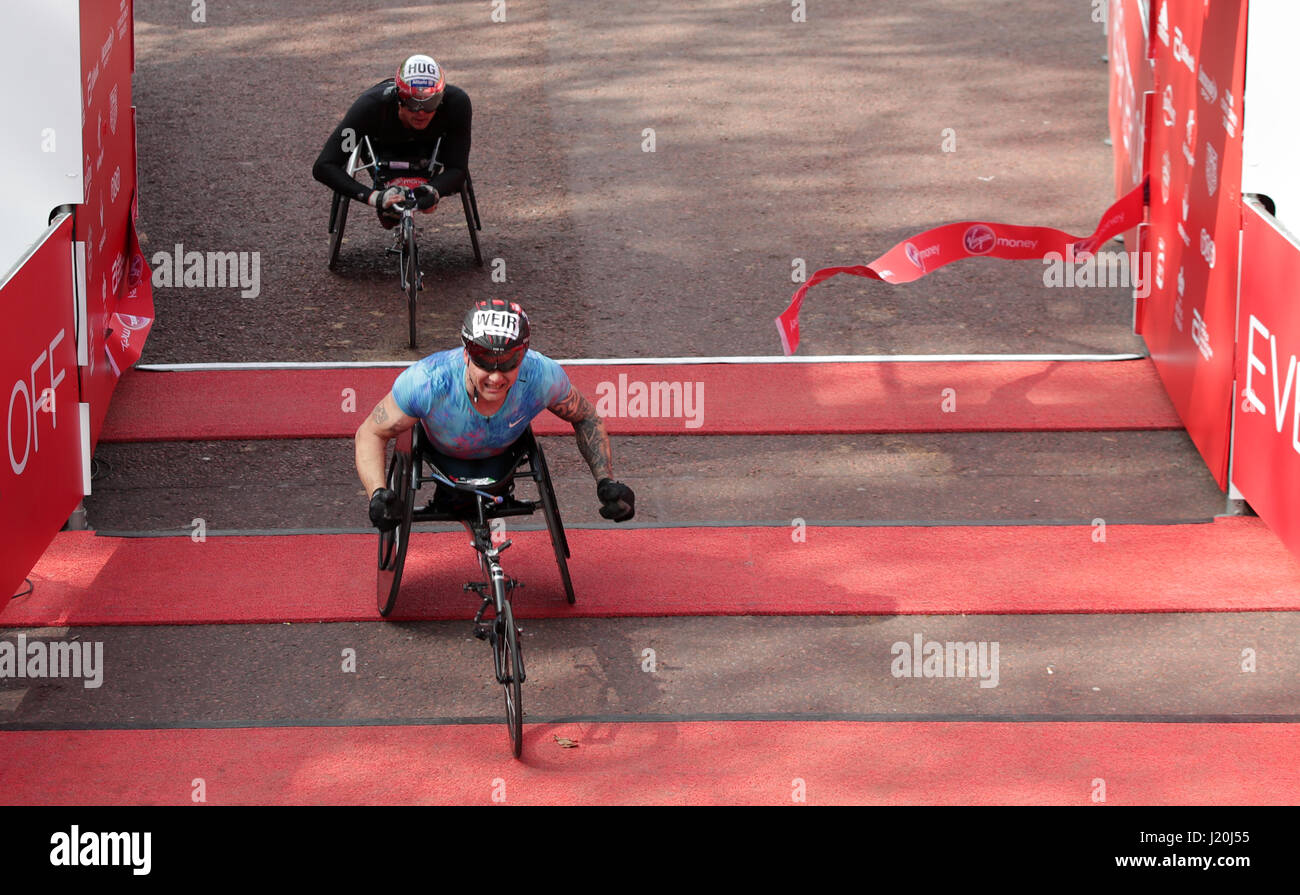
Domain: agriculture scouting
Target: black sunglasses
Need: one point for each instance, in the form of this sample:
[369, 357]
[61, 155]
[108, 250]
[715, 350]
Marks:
[490, 363]
[422, 105]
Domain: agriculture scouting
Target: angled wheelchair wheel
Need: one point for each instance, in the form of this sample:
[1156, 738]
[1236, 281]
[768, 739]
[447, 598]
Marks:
[471, 218]
[554, 525]
[393, 544]
[338, 222]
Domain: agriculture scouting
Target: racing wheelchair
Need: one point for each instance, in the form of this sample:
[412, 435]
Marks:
[393, 172]
[474, 500]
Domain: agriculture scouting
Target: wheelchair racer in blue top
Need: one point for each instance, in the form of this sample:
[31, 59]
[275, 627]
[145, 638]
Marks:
[475, 402]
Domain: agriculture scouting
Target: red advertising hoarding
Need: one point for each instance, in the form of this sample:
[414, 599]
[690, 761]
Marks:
[104, 221]
[1266, 437]
[1189, 318]
[40, 464]
[1130, 79]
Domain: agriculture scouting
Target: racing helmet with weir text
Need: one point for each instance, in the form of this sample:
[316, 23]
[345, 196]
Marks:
[420, 83]
[495, 333]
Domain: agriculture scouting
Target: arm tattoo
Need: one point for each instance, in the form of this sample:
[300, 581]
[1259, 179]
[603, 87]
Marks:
[385, 423]
[593, 440]
[572, 407]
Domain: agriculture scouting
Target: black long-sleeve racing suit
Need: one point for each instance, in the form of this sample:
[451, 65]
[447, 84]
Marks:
[374, 115]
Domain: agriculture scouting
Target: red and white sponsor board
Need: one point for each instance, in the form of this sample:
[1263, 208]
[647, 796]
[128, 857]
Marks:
[40, 461]
[104, 226]
[1266, 436]
[1189, 318]
[1130, 80]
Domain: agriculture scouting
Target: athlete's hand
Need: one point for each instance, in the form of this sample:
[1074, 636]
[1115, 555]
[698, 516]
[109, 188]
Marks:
[426, 197]
[388, 198]
[619, 503]
[384, 509]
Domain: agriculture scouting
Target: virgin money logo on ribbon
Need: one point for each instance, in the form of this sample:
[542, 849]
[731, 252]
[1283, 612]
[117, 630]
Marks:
[979, 239]
[1168, 107]
[1211, 168]
[918, 256]
[1165, 177]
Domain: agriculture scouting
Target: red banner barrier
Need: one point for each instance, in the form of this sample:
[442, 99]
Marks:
[104, 221]
[1130, 79]
[927, 252]
[40, 463]
[1266, 437]
[1188, 320]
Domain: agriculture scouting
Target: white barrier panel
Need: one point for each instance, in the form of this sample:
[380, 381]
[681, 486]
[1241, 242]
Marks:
[1272, 129]
[40, 68]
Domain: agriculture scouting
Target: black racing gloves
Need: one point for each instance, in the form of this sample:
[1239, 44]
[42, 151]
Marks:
[618, 501]
[425, 197]
[385, 509]
[384, 200]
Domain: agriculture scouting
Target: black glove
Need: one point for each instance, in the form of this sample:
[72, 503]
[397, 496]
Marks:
[384, 509]
[426, 197]
[618, 499]
[384, 200]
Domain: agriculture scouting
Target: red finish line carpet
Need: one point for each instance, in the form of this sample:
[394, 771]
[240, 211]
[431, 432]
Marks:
[712, 399]
[662, 763]
[1231, 565]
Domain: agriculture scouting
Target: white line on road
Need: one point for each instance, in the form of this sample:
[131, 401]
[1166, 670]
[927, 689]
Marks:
[587, 362]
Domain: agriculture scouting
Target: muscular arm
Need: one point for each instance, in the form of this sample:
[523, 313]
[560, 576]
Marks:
[593, 440]
[386, 421]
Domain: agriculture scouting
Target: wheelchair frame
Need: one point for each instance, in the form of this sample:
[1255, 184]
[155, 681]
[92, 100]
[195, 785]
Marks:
[339, 204]
[405, 475]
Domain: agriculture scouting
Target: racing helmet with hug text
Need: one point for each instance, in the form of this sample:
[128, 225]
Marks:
[420, 83]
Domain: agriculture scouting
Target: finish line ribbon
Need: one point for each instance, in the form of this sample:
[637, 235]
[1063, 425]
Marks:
[927, 252]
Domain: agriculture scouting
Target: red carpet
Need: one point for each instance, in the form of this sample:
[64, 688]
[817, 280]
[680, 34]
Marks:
[736, 399]
[737, 762]
[1230, 565]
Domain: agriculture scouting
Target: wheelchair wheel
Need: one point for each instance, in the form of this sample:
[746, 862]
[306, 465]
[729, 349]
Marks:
[553, 523]
[512, 662]
[393, 544]
[411, 274]
[471, 218]
[338, 221]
